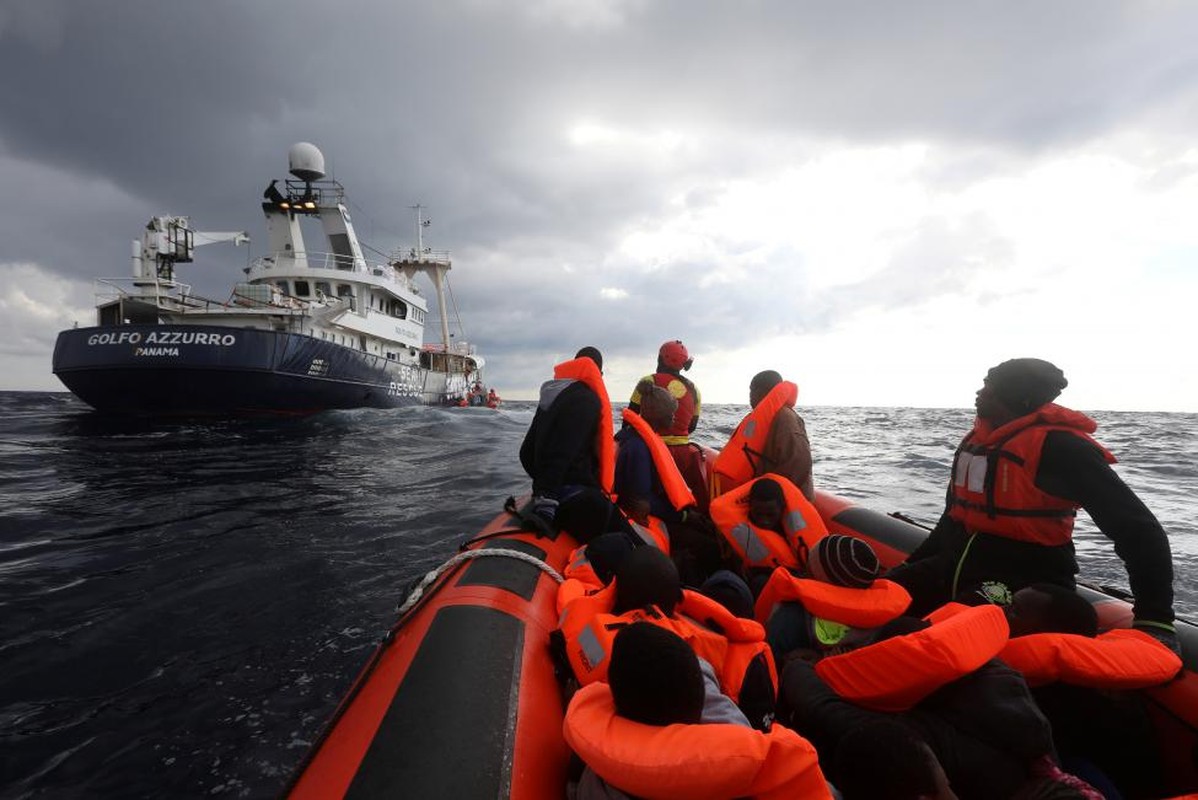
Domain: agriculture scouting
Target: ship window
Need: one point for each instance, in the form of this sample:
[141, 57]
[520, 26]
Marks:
[301, 289]
[282, 286]
[345, 290]
[323, 287]
[399, 309]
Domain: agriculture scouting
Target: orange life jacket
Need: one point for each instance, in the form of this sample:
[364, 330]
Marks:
[677, 492]
[579, 570]
[737, 462]
[994, 478]
[589, 627]
[691, 761]
[859, 608]
[585, 370]
[1118, 659]
[687, 395]
[766, 549]
[895, 674]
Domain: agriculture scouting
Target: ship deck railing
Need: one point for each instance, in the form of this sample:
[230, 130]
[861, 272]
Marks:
[176, 296]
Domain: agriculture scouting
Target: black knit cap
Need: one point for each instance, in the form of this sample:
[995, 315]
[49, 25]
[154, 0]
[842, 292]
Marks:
[654, 676]
[843, 561]
[1025, 384]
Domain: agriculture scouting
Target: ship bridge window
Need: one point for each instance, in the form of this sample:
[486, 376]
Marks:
[282, 286]
[397, 308]
[302, 289]
[323, 287]
[345, 290]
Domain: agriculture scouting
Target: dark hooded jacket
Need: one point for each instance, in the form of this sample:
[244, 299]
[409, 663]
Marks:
[985, 728]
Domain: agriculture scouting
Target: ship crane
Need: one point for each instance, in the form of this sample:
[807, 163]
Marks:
[170, 240]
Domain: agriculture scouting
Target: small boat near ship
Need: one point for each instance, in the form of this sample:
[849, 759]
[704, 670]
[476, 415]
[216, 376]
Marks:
[305, 331]
[461, 698]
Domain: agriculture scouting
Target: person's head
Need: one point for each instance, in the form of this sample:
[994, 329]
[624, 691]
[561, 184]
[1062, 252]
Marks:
[654, 676]
[843, 561]
[593, 354]
[607, 552]
[1048, 608]
[1018, 387]
[761, 385]
[888, 759]
[729, 590]
[673, 356]
[647, 577]
[766, 503]
[657, 406]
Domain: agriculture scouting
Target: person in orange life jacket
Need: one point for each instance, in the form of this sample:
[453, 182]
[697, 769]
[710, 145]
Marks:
[838, 560]
[636, 478]
[655, 680]
[1103, 736]
[647, 578]
[1019, 478]
[672, 359]
[767, 504]
[563, 448]
[984, 727]
[888, 759]
[787, 450]
[693, 540]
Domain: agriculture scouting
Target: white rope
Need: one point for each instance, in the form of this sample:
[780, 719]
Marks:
[432, 576]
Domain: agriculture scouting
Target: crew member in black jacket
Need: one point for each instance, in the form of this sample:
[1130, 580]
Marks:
[559, 450]
[1018, 479]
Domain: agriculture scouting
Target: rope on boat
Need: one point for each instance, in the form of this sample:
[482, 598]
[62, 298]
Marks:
[433, 575]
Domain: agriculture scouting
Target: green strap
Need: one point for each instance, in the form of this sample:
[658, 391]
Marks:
[961, 564]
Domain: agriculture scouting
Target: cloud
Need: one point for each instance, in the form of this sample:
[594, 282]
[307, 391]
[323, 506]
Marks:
[624, 172]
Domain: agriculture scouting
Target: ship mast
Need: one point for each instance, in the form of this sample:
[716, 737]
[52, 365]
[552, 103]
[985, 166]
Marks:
[437, 270]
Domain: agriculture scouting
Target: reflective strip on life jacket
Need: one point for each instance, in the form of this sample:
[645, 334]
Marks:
[859, 608]
[730, 644]
[1119, 659]
[766, 549]
[585, 370]
[691, 761]
[738, 460]
[895, 674]
[678, 493]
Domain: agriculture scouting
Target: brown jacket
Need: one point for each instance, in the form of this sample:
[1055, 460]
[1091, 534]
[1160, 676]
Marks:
[788, 452]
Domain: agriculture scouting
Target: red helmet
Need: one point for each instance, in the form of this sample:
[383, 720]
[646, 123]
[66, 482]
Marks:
[673, 355]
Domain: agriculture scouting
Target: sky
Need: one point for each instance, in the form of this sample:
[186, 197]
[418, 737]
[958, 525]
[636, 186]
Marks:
[879, 200]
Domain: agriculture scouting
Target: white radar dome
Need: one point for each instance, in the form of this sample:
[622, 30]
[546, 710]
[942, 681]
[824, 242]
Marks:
[306, 161]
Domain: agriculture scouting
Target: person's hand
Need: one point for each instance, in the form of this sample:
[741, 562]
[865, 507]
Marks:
[1164, 633]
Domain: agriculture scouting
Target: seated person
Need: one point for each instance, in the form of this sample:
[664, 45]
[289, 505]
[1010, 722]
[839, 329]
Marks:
[976, 713]
[888, 759]
[648, 732]
[833, 605]
[767, 523]
[647, 588]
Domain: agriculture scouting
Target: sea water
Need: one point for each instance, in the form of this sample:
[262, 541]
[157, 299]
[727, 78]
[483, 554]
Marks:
[182, 604]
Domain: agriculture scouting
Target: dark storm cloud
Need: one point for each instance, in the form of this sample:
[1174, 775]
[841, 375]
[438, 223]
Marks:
[188, 107]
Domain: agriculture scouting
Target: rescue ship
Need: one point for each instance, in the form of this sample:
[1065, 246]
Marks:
[307, 330]
[461, 698]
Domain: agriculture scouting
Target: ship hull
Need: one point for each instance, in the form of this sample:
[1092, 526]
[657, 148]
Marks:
[198, 370]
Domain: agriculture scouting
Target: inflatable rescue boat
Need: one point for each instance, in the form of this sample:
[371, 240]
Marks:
[461, 699]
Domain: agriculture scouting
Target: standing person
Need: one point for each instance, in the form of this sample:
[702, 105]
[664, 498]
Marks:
[1018, 478]
[569, 445]
[771, 438]
[672, 359]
